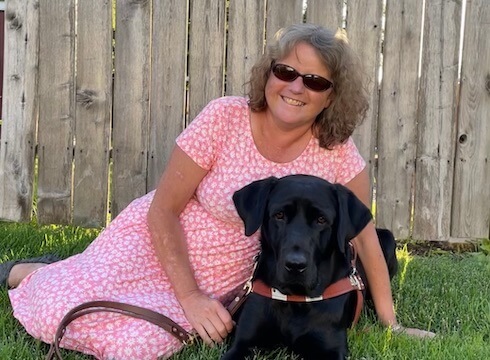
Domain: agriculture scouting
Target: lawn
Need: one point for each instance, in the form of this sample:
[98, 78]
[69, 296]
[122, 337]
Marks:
[443, 291]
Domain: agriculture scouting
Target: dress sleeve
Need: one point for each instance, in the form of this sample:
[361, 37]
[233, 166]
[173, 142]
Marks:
[202, 140]
[351, 162]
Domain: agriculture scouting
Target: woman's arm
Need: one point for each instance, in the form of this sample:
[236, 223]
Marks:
[371, 255]
[176, 187]
[372, 258]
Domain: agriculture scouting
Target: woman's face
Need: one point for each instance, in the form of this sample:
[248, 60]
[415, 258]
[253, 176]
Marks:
[291, 104]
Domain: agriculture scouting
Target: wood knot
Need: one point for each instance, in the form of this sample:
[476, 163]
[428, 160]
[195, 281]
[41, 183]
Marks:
[15, 23]
[86, 98]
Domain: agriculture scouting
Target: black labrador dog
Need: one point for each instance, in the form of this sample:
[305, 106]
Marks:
[306, 224]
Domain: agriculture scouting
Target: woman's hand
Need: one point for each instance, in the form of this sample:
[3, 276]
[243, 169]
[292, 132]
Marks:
[208, 317]
[398, 329]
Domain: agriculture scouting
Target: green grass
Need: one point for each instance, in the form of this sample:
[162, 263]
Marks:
[444, 292]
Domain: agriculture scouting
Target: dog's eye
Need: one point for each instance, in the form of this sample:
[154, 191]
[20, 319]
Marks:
[322, 220]
[279, 215]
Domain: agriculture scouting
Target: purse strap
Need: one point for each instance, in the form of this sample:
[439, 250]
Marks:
[154, 317]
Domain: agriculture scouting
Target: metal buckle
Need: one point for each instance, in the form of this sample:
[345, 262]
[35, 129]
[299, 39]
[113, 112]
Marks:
[353, 271]
[191, 339]
[355, 279]
[248, 287]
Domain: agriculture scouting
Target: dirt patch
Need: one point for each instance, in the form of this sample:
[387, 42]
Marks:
[437, 247]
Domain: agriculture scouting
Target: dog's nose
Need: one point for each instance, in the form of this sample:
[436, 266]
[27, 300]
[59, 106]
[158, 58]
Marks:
[295, 263]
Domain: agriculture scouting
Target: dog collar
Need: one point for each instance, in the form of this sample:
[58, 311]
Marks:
[345, 285]
[342, 286]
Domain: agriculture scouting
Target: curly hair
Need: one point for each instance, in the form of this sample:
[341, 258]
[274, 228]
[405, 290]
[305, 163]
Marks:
[335, 124]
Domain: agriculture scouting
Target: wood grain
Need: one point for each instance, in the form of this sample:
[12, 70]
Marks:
[20, 108]
[398, 116]
[471, 210]
[437, 120]
[93, 113]
[56, 110]
[168, 83]
[131, 102]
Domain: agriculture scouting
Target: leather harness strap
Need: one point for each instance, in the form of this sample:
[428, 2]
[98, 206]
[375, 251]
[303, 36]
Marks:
[343, 286]
[116, 307]
[239, 299]
[154, 317]
[351, 283]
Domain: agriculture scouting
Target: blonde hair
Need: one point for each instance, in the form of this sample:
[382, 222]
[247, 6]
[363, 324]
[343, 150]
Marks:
[350, 103]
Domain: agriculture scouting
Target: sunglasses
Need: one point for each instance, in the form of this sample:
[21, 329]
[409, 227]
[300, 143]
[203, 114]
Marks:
[289, 74]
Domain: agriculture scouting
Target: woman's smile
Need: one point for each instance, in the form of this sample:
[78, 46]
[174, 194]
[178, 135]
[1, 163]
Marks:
[292, 102]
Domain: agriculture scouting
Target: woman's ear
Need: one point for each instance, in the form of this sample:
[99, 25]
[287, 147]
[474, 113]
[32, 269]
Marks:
[330, 98]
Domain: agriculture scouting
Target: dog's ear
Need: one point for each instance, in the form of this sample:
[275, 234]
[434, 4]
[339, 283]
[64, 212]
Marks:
[352, 217]
[250, 202]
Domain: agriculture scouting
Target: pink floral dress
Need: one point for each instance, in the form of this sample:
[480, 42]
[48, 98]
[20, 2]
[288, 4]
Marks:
[121, 265]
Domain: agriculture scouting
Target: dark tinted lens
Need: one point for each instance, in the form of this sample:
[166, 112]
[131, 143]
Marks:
[284, 73]
[312, 82]
[316, 83]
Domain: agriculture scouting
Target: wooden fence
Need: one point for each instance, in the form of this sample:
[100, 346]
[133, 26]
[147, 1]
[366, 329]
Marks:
[91, 113]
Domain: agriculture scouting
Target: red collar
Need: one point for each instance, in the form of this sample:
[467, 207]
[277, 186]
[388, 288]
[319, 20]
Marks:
[345, 285]
[342, 286]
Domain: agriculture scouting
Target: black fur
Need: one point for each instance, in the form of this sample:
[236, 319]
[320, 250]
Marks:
[306, 224]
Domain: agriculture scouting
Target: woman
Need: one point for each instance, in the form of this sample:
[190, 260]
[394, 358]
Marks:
[180, 250]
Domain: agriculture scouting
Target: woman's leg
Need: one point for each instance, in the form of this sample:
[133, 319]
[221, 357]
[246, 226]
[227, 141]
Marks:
[14, 271]
[20, 271]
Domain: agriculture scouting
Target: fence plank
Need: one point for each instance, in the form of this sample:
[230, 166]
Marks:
[471, 210]
[56, 110]
[206, 53]
[131, 101]
[168, 80]
[326, 13]
[93, 112]
[363, 26]
[281, 13]
[398, 111]
[436, 121]
[17, 145]
[245, 42]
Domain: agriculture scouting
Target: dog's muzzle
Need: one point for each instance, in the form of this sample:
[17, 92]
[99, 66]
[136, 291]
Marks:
[295, 263]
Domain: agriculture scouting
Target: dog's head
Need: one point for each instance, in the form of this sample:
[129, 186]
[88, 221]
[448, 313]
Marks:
[306, 224]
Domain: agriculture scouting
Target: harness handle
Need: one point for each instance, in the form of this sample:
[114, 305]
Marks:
[138, 312]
